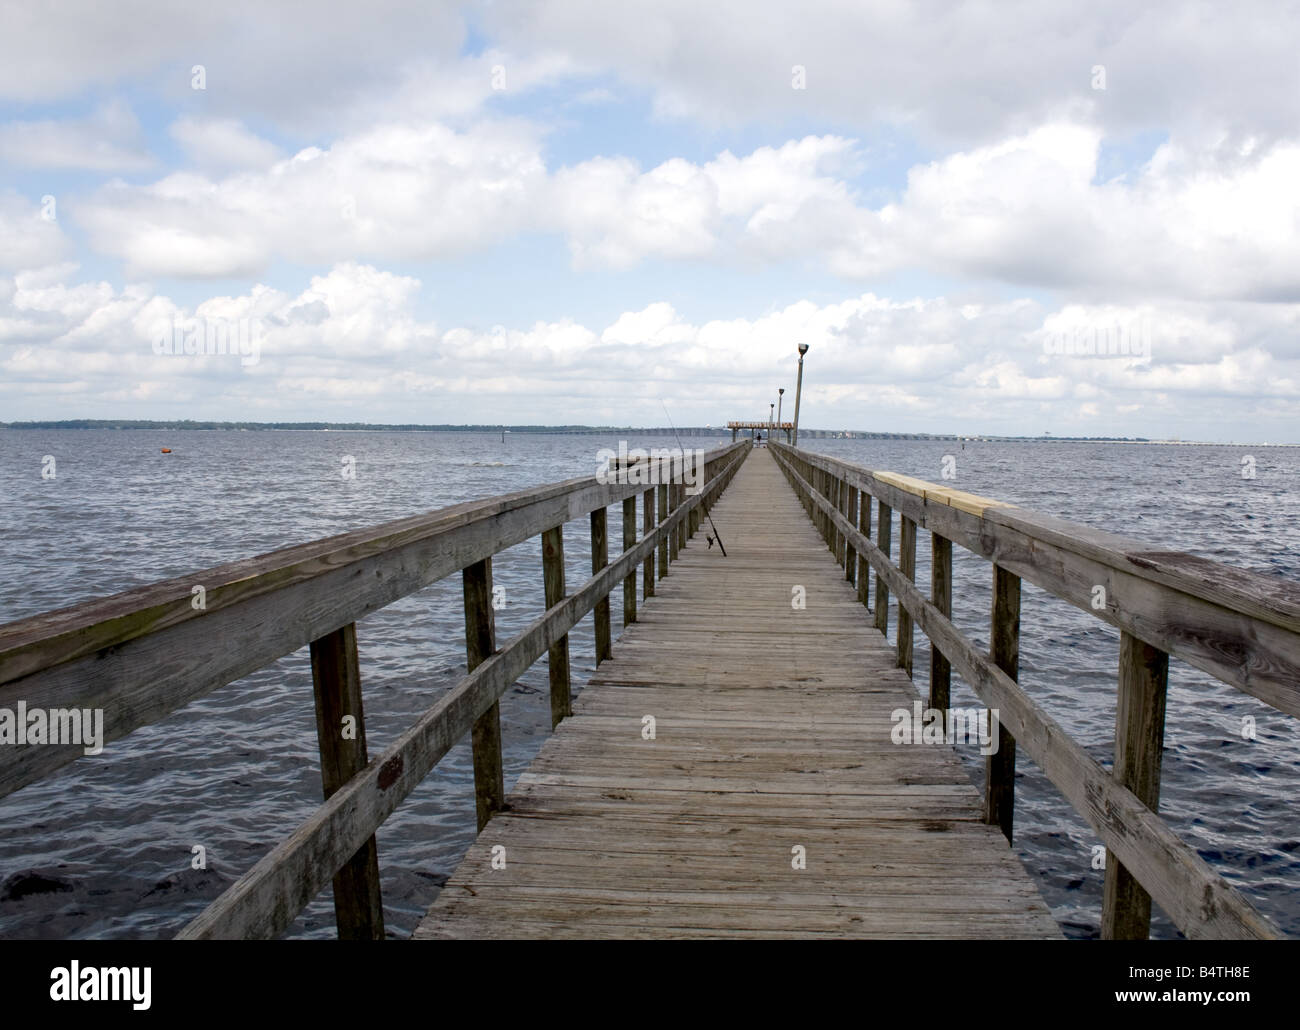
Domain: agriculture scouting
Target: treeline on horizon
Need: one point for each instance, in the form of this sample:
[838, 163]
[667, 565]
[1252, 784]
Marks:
[816, 434]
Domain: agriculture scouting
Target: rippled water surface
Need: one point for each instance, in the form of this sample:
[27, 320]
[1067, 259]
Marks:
[237, 771]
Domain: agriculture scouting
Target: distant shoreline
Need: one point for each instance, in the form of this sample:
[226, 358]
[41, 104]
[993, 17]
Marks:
[693, 431]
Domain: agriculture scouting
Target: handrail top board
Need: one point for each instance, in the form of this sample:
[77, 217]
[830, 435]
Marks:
[106, 621]
[1253, 594]
[960, 499]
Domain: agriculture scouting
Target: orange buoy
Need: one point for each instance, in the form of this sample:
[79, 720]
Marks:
[166, 450]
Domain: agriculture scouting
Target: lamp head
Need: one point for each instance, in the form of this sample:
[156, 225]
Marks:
[803, 349]
[781, 390]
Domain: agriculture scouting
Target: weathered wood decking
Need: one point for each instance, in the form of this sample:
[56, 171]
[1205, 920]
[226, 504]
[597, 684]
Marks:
[772, 732]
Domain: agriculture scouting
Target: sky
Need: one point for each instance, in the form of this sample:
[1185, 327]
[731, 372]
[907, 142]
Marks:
[1035, 217]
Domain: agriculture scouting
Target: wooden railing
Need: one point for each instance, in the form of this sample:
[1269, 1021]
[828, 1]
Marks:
[147, 652]
[1241, 628]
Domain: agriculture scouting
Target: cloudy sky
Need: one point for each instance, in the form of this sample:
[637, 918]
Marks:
[553, 211]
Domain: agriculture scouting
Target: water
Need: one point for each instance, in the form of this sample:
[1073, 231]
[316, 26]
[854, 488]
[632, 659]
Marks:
[237, 771]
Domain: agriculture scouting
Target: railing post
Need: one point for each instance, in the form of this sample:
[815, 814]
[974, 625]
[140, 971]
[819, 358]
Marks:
[599, 559]
[906, 565]
[701, 481]
[663, 542]
[558, 655]
[814, 478]
[828, 484]
[842, 487]
[480, 643]
[683, 534]
[341, 734]
[884, 531]
[680, 489]
[864, 567]
[828, 491]
[674, 536]
[1139, 747]
[851, 552]
[837, 488]
[648, 522]
[823, 488]
[941, 597]
[1004, 651]
[629, 542]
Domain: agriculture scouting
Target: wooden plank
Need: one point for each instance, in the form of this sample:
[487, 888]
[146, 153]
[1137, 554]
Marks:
[684, 529]
[663, 512]
[837, 492]
[884, 530]
[864, 569]
[341, 734]
[480, 645]
[629, 541]
[599, 559]
[1004, 652]
[907, 566]
[558, 655]
[675, 537]
[850, 553]
[959, 499]
[1270, 599]
[1139, 746]
[941, 598]
[648, 577]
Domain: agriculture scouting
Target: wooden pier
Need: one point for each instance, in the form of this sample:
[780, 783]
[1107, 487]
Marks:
[771, 734]
[730, 768]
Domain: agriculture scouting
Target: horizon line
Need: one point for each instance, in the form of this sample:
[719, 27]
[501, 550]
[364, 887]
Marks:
[201, 425]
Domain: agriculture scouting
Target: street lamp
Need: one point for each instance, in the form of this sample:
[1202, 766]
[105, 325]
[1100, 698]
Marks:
[798, 389]
[771, 410]
[780, 396]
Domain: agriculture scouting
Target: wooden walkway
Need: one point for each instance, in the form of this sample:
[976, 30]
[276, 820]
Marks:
[772, 733]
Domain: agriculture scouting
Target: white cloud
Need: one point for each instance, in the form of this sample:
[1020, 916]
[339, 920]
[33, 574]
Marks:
[1188, 224]
[300, 64]
[1027, 210]
[28, 238]
[109, 140]
[955, 74]
[223, 143]
[350, 345]
[395, 191]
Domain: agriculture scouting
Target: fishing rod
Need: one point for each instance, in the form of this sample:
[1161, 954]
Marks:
[716, 535]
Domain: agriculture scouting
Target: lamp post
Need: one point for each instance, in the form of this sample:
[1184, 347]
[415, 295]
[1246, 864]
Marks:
[771, 410]
[780, 396]
[798, 389]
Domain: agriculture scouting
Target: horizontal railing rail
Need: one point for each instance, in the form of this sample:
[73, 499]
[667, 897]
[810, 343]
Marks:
[1240, 627]
[144, 653]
